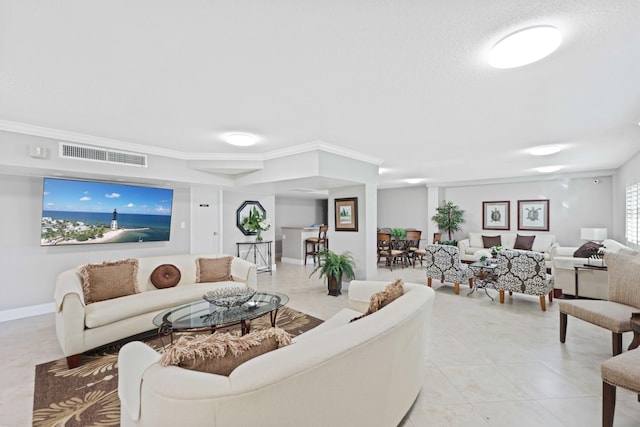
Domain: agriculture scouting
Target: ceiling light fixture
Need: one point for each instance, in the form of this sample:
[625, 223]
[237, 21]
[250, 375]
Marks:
[413, 180]
[544, 150]
[525, 46]
[548, 169]
[240, 139]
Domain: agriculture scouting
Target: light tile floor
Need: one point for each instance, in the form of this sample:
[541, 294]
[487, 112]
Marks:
[487, 364]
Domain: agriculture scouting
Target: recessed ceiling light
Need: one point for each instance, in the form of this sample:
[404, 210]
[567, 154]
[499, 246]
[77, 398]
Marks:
[548, 169]
[413, 180]
[240, 139]
[383, 170]
[525, 46]
[544, 150]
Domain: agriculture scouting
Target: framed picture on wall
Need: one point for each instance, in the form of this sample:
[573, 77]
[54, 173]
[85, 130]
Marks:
[495, 215]
[533, 215]
[346, 214]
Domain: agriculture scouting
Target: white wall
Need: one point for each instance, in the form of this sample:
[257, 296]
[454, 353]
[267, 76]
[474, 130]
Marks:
[29, 270]
[573, 203]
[361, 244]
[403, 208]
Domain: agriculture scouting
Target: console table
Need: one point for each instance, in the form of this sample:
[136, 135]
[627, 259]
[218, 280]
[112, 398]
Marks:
[258, 252]
[585, 267]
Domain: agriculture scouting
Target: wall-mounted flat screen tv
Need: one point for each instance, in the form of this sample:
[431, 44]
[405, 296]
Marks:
[91, 212]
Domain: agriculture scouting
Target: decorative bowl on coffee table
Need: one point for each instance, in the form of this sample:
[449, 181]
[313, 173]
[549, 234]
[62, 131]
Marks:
[229, 297]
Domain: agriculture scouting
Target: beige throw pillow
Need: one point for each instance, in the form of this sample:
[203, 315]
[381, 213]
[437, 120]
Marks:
[109, 280]
[382, 298]
[222, 353]
[213, 269]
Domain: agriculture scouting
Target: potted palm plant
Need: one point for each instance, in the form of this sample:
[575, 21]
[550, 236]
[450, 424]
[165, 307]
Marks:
[334, 266]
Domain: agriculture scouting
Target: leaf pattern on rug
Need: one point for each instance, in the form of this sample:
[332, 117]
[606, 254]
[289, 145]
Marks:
[88, 395]
[70, 411]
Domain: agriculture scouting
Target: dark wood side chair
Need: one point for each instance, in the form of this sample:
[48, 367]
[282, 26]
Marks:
[314, 245]
[387, 251]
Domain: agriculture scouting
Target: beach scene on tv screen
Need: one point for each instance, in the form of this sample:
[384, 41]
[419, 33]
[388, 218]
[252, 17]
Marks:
[88, 212]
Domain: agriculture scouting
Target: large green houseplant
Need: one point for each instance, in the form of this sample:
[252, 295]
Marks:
[333, 267]
[448, 217]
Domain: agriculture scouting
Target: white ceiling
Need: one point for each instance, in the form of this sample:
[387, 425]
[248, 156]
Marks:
[403, 81]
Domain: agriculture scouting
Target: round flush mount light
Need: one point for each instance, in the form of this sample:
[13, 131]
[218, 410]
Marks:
[525, 46]
[240, 139]
[544, 150]
[413, 180]
[548, 169]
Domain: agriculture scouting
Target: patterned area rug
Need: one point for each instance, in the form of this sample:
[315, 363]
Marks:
[88, 394]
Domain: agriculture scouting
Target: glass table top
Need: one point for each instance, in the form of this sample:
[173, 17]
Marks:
[202, 314]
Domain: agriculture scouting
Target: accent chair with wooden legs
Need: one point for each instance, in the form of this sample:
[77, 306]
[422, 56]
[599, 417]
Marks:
[523, 272]
[623, 290]
[619, 371]
[443, 264]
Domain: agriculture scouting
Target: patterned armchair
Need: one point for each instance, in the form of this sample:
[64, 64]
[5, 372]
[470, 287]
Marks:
[443, 263]
[523, 272]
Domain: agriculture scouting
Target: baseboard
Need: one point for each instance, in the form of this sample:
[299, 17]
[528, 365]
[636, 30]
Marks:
[22, 312]
[291, 261]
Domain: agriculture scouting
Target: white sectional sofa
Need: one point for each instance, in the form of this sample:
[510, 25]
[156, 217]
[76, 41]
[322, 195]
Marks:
[543, 243]
[364, 373]
[81, 327]
[591, 283]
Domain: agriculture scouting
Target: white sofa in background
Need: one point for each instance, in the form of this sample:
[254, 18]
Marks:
[363, 373]
[81, 327]
[591, 283]
[543, 243]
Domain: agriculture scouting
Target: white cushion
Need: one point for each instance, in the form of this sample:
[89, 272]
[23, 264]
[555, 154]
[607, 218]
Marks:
[110, 311]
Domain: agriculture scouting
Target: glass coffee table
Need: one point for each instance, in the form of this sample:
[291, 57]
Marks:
[201, 315]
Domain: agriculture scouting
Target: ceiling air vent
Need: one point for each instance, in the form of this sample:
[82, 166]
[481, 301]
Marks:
[97, 154]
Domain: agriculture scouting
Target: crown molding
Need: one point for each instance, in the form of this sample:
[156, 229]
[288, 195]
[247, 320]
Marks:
[80, 138]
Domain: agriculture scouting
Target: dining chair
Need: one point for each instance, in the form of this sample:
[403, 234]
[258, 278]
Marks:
[443, 263]
[387, 251]
[314, 245]
[412, 244]
[523, 272]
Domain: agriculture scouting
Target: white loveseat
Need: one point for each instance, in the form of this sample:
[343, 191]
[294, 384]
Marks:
[81, 327]
[364, 373]
[591, 283]
[543, 243]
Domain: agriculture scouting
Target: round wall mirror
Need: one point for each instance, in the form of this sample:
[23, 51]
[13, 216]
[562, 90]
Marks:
[243, 212]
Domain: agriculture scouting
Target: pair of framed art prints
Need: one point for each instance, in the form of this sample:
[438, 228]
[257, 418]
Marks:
[532, 215]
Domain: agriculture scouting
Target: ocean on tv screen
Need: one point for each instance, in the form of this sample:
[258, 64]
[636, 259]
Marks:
[62, 227]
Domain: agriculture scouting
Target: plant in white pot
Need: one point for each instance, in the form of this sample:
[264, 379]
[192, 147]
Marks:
[333, 267]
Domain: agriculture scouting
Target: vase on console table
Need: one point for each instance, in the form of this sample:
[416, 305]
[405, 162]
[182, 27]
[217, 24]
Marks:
[259, 236]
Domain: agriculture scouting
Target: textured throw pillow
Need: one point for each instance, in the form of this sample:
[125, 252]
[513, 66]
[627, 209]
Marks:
[491, 241]
[109, 280]
[587, 250]
[382, 298]
[524, 242]
[165, 276]
[222, 353]
[213, 269]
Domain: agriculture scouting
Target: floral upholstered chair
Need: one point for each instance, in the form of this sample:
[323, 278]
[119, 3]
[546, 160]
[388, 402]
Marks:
[523, 272]
[443, 263]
